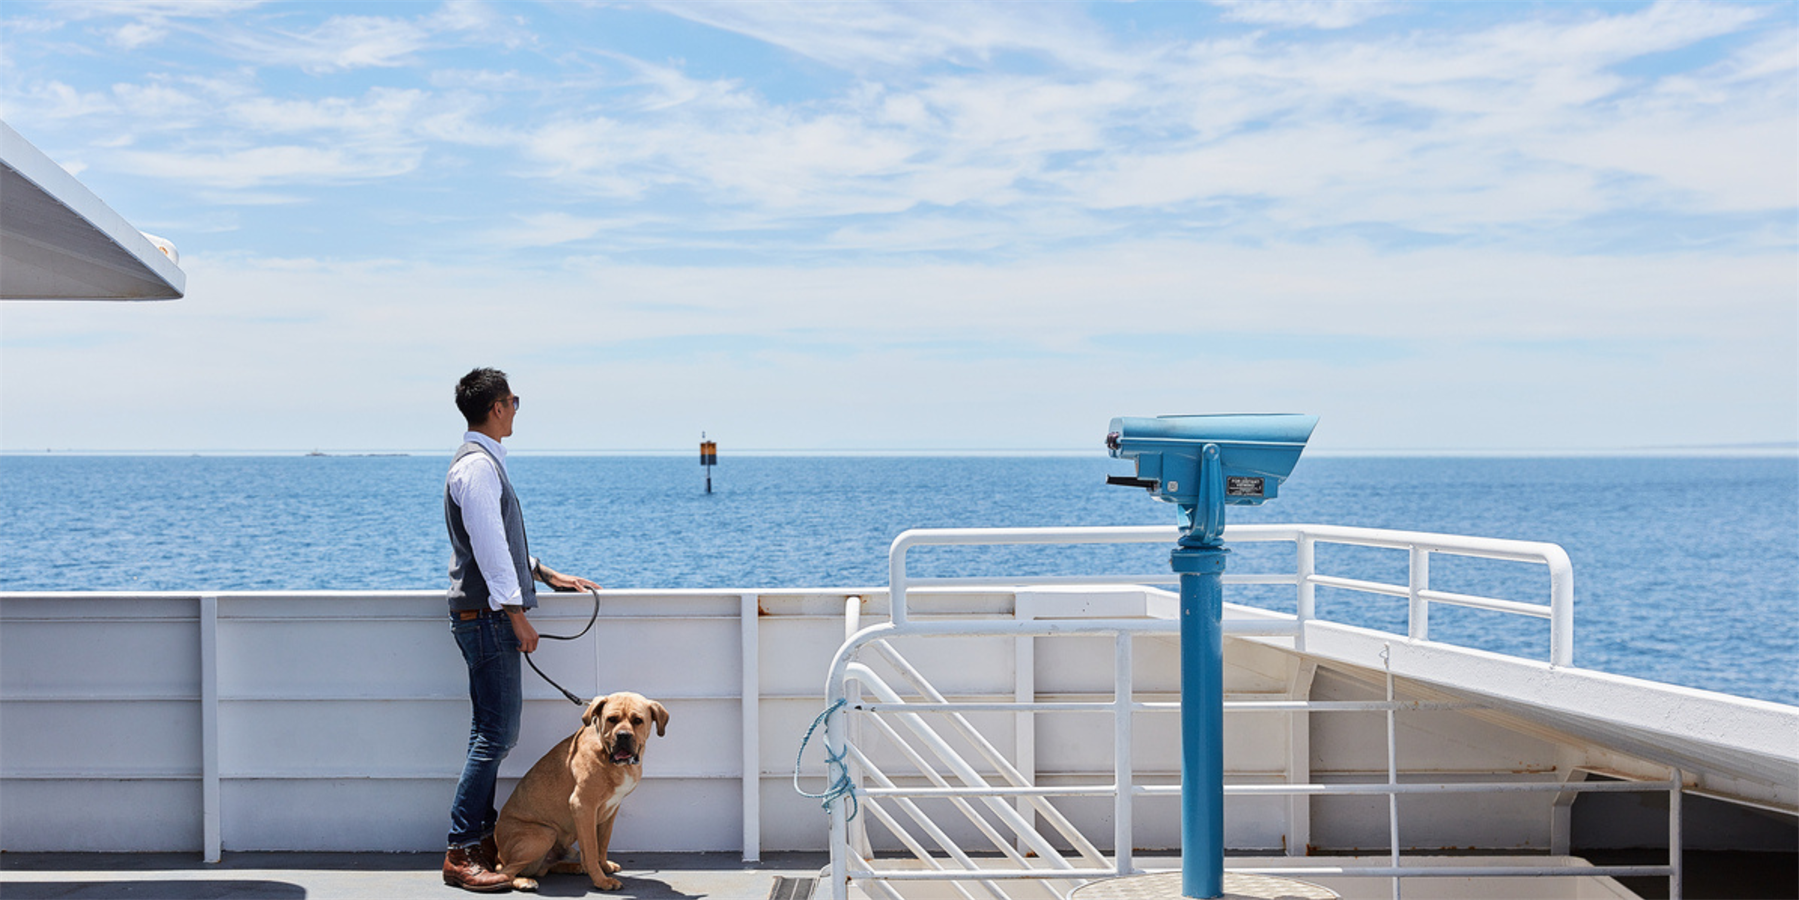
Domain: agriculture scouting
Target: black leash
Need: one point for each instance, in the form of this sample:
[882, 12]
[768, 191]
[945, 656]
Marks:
[567, 637]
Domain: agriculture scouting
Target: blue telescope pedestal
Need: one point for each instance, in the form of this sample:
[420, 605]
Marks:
[1202, 464]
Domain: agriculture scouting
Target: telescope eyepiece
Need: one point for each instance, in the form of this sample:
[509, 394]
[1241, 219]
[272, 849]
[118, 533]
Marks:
[1148, 484]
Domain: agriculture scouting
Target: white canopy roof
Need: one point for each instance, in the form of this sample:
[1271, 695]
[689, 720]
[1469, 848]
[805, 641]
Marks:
[60, 242]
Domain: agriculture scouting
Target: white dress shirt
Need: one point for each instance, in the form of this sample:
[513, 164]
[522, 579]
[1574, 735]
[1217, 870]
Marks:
[475, 486]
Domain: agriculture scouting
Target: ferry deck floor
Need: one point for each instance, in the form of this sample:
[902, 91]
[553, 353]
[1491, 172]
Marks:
[380, 876]
[646, 876]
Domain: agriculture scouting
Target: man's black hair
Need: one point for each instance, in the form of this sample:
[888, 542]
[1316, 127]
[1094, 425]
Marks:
[477, 392]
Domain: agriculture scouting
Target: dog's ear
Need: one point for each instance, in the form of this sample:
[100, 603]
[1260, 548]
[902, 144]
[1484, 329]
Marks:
[660, 714]
[593, 709]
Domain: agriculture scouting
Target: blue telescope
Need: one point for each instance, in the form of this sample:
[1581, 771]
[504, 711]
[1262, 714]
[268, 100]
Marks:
[1203, 464]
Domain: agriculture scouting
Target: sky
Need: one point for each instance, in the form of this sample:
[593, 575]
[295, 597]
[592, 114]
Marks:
[1466, 227]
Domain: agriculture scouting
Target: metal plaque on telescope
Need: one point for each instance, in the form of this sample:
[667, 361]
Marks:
[1242, 486]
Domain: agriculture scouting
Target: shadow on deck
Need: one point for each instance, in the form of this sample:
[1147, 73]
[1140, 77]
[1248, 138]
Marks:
[368, 876]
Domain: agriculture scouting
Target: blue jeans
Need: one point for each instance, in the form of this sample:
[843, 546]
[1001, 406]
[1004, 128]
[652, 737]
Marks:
[495, 692]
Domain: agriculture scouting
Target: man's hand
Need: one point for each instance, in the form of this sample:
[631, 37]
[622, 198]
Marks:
[523, 630]
[558, 581]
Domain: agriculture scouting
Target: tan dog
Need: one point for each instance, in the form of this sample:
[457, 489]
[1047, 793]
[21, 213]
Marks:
[573, 793]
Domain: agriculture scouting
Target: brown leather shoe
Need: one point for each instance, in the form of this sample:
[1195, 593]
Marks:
[490, 854]
[463, 869]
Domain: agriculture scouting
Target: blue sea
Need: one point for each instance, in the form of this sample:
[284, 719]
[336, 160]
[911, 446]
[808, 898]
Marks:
[1686, 568]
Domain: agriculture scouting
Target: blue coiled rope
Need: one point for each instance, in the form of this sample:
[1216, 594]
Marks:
[835, 764]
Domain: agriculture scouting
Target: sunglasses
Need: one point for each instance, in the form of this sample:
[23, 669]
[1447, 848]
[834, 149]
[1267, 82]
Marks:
[513, 400]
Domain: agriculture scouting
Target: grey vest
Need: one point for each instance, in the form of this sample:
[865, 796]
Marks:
[468, 587]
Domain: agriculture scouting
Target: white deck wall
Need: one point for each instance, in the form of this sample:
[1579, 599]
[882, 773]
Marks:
[341, 720]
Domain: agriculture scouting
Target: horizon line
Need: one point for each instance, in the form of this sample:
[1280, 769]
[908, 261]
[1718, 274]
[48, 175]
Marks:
[1769, 448]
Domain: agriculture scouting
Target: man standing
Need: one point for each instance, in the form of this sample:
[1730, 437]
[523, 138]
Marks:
[491, 572]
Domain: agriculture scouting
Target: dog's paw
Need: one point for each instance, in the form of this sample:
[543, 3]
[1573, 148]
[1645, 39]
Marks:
[613, 868]
[524, 884]
[608, 884]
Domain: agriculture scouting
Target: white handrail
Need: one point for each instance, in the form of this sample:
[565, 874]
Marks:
[850, 865]
[1559, 609]
[896, 554]
[1419, 547]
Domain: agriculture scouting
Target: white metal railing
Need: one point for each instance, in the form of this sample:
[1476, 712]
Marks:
[849, 677]
[1420, 546]
[1559, 610]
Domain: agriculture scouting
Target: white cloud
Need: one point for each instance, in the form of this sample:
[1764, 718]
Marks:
[1109, 188]
[1774, 57]
[57, 100]
[1715, 163]
[719, 138]
[1425, 133]
[1519, 123]
[339, 43]
[149, 21]
[935, 350]
[269, 165]
[940, 233]
[133, 35]
[349, 42]
[549, 229]
[1326, 14]
[217, 133]
[858, 36]
[1524, 122]
[161, 100]
[228, 198]
[380, 111]
[83, 9]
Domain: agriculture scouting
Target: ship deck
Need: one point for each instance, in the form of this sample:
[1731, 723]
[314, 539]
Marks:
[647, 876]
[361, 876]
